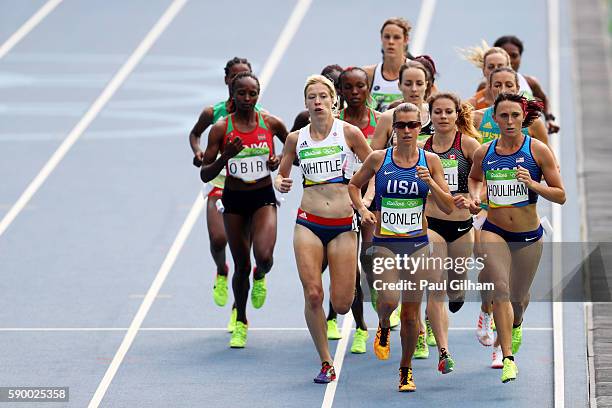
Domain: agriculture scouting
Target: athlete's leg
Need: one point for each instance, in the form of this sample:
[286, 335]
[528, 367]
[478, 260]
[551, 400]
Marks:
[308, 250]
[342, 258]
[436, 299]
[263, 233]
[497, 261]
[237, 228]
[525, 263]
[216, 234]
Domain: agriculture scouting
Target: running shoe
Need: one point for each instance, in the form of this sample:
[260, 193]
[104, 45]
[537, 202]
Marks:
[394, 319]
[360, 339]
[497, 358]
[431, 338]
[332, 330]
[258, 293]
[406, 382]
[220, 290]
[509, 371]
[421, 351]
[446, 364]
[327, 374]
[517, 338]
[232, 321]
[484, 330]
[382, 345]
[239, 335]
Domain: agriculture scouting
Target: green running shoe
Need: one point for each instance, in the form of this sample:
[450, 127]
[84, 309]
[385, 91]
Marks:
[360, 339]
[509, 372]
[517, 338]
[220, 290]
[258, 293]
[394, 319]
[421, 351]
[239, 335]
[232, 321]
[332, 330]
[429, 334]
[446, 364]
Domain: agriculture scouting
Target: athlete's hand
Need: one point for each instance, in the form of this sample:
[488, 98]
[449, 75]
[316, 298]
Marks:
[462, 202]
[198, 158]
[424, 175]
[273, 162]
[367, 217]
[522, 174]
[283, 184]
[552, 127]
[233, 147]
[474, 206]
[366, 200]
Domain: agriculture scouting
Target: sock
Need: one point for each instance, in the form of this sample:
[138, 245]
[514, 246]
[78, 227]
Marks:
[511, 358]
[515, 326]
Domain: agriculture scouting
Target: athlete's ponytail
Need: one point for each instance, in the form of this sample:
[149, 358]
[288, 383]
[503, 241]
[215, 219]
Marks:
[478, 54]
[531, 108]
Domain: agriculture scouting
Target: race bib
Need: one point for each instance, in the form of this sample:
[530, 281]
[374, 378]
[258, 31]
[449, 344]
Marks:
[451, 174]
[401, 216]
[250, 164]
[321, 164]
[504, 190]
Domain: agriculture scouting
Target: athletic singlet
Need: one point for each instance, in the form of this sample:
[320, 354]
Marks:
[368, 132]
[383, 92]
[323, 161]
[400, 196]
[489, 128]
[250, 164]
[456, 165]
[220, 112]
[503, 189]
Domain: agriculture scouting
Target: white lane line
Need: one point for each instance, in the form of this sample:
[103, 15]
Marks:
[28, 26]
[557, 214]
[204, 329]
[330, 389]
[194, 213]
[93, 111]
[146, 304]
[283, 41]
[417, 45]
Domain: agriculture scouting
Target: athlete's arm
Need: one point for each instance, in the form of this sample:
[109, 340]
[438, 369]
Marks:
[283, 180]
[302, 119]
[211, 164]
[433, 175]
[538, 92]
[382, 131]
[553, 190]
[537, 130]
[475, 180]
[356, 141]
[477, 116]
[204, 121]
[280, 131]
[369, 69]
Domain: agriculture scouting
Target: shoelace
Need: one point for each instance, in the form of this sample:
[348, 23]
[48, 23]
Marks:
[421, 341]
[405, 373]
[443, 354]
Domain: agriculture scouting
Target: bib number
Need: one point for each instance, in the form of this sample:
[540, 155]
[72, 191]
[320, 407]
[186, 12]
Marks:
[451, 174]
[250, 164]
[401, 216]
[504, 190]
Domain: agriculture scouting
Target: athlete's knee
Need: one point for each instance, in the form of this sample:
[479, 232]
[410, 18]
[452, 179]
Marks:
[314, 297]
[342, 306]
[264, 259]
[217, 242]
[502, 290]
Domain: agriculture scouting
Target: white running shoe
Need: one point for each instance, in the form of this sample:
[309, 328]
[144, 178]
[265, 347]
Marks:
[497, 358]
[484, 329]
